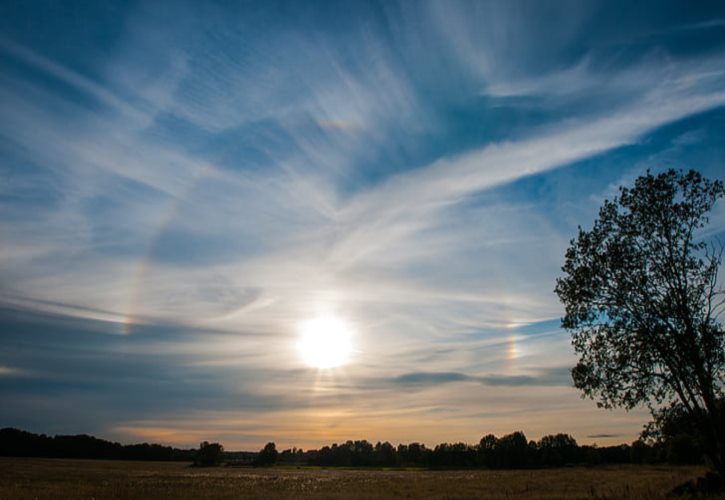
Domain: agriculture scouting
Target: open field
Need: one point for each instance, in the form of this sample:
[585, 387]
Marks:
[57, 478]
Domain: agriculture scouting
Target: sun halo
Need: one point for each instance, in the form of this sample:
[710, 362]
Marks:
[325, 342]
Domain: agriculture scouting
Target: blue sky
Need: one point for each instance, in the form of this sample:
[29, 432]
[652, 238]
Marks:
[184, 186]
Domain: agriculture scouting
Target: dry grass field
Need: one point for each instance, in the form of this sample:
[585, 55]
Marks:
[53, 478]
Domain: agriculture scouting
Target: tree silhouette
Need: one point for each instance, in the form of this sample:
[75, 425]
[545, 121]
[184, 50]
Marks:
[268, 455]
[674, 434]
[209, 454]
[487, 450]
[512, 451]
[668, 438]
[557, 450]
[642, 302]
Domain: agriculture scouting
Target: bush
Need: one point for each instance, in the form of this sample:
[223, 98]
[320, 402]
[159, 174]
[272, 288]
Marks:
[209, 454]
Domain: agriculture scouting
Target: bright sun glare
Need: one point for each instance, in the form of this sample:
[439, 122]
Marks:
[325, 342]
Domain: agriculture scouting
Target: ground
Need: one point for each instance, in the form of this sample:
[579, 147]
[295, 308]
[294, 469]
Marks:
[22, 478]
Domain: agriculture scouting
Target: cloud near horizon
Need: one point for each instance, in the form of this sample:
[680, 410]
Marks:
[179, 195]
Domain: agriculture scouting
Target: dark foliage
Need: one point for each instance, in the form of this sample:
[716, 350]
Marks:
[675, 437]
[511, 451]
[17, 443]
[643, 302]
[209, 454]
[558, 450]
[268, 455]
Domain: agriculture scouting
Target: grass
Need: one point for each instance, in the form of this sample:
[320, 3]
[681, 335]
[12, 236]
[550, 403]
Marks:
[22, 478]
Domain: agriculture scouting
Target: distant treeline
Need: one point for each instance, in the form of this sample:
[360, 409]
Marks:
[512, 451]
[17, 443]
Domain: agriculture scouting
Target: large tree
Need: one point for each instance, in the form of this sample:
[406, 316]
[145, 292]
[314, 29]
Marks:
[643, 300]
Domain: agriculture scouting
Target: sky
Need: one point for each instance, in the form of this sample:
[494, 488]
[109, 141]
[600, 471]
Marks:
[188, 189]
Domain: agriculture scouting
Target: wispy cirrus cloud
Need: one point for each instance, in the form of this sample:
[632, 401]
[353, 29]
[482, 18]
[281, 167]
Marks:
[419, 174]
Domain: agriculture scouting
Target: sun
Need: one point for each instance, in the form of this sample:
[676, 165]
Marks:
[325, 342]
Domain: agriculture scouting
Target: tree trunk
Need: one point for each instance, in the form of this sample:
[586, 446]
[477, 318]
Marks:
[715, 433]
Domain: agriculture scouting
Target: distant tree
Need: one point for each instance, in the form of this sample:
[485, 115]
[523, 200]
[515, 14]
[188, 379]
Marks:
[643, 302]
[557, 450]
[363, 452]
[638, 452]
[413, 454]
[19, 443]
[591, 454]
[209, 454]
[385, 454]
[512, 451]
[268, 455]
[487, 451]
